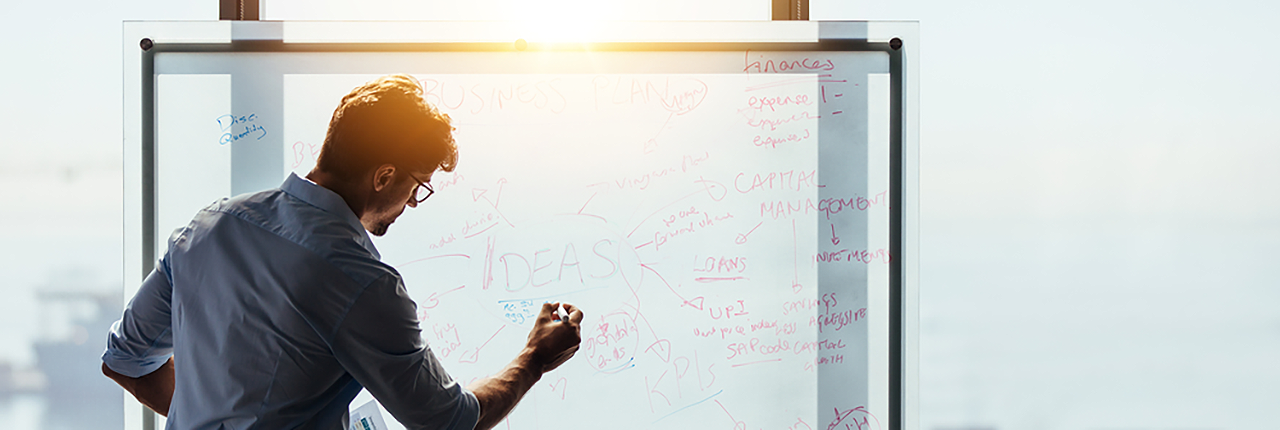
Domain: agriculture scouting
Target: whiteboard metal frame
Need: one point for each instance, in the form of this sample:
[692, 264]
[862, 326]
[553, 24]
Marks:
[899, 39]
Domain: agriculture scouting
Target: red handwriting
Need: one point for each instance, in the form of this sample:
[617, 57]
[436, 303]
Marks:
[724, 331]
[682, 214]
[443, 181]
[300, 152]
[772, 124]
[827, 359]
[679, 370]
[521, 270]
[539, 95]
[772, 103]
[773, 141]
[866, 256]
[678, 96]
[799, 305]
[759, 64]
[442, 242]
[786, 180]
[832, 206]
[838, 320]
[859, 419]
[643, 181]
[690, 161]
[561, 385]
[756, 346]
[721, 264]
[482, 223]
[786, 209]
[615, 339]
[434, 299]
[727, 312]
[446, 339]
[828, 206]
[829, 300]
[820, 345]
[661, 237]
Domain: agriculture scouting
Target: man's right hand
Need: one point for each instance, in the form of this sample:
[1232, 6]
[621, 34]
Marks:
[155, 389]
[553, 340]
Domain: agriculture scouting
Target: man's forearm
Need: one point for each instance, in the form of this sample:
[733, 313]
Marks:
[498, 394]
[155, 389]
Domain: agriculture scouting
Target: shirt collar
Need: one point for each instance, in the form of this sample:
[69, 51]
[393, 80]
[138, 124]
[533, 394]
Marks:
[330, 202]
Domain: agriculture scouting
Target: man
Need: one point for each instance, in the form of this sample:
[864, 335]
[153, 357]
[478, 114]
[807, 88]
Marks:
[272, 310]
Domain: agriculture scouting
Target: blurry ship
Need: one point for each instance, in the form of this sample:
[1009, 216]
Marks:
[73, 336]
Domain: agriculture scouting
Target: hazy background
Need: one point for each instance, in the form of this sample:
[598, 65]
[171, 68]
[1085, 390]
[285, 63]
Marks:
[1099, 205]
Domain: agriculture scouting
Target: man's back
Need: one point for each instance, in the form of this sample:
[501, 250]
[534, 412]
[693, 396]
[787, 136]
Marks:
[280, 308]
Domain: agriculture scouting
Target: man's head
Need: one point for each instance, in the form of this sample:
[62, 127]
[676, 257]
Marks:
[384, 141]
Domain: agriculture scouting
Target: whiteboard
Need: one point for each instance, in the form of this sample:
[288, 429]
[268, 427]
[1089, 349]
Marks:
[721, 212]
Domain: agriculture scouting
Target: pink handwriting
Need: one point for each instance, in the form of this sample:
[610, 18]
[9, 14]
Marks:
[721, 265]
[772, 103]
[756, 346]
[727, 312]
[823, 360]
[521, 270]
[773, 141]
[679, 370]
[787, 180]
[446, 339]
[679, 96]
[615, 339]
[540, 95]
[799, 305]
[857, 417]
[828, 206]
[820, 345]
[772, 124]
[442, 242]
[759, 64]
[838, 320]
[660, 238]
[300, 152]
[866, 256]
[682, 214]
[643, 181]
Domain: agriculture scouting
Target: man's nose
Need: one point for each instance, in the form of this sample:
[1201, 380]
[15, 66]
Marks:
[412, 202]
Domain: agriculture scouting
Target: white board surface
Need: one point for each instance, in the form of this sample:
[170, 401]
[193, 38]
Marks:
[719, 216]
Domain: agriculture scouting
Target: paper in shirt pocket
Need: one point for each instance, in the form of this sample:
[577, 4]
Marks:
[367, 417]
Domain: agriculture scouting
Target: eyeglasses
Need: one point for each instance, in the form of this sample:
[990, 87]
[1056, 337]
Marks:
[422, 191]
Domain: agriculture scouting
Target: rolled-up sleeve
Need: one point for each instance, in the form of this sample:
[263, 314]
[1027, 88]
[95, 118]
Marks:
[142, 340]
[380, 343]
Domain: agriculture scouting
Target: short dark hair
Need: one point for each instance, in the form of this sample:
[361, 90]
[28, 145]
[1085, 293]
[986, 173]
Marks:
[387, 121]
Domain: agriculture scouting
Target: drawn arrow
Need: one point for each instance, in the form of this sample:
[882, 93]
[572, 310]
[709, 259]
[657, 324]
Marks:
[834, 240]
[562, 384]
[433, 298]
[742, 237]
[472, 356]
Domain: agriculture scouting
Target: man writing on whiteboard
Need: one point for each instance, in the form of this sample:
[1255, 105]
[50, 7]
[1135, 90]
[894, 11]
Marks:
[273, 310]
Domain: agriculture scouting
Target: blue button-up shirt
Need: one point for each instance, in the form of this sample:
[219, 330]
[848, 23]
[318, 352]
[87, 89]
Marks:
[277, 311]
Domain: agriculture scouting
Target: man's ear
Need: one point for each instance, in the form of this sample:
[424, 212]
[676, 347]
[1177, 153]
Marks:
[383, 177]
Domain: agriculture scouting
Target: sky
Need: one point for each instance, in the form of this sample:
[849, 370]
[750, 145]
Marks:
[1099, 205]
